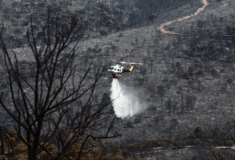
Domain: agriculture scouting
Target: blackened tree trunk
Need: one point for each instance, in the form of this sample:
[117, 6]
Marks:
[50, 89]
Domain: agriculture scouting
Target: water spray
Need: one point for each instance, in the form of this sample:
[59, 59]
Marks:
[126, 101]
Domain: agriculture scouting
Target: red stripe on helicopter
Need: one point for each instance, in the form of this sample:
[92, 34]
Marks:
[114, 75]
[127, 62]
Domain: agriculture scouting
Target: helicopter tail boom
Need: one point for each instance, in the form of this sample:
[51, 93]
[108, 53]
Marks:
[128, 70]
[131, 63]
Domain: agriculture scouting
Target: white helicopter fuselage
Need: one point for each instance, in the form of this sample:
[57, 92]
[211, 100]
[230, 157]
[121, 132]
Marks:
[116, 69]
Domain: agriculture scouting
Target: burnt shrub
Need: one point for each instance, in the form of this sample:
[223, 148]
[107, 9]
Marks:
[178, 64]
[110, 22]
[105, 99]
[180, 144]
[191, 70]
[231, 137]
[197, 142]
[229, 143]
[199, 132]
[118, 28]
[152, 16]
[189, 141]
[214, 73]
[104, 31]
[184, 74]
[161, 92]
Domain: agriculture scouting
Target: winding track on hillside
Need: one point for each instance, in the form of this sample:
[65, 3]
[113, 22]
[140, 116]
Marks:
[162, 29]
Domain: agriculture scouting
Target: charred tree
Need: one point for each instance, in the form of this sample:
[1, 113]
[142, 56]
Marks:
[44, 94]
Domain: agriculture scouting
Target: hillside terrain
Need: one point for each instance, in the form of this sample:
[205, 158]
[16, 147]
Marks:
[187, 78]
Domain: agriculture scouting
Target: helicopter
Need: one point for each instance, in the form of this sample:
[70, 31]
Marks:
[118, 69]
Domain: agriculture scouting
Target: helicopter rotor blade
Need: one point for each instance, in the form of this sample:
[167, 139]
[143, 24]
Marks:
[131, 63]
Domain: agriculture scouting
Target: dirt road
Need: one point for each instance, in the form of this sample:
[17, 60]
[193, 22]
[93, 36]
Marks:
[162, 29]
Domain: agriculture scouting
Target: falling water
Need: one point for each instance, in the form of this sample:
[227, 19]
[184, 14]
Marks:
[126, 101]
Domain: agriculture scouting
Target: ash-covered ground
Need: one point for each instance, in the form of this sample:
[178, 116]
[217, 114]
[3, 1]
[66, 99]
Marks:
[187, 80]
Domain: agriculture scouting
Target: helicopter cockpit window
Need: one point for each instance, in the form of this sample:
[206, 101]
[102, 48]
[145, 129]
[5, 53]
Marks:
[111, 68]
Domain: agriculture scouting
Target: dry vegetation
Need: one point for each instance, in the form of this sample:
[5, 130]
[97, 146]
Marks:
[14, 148]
